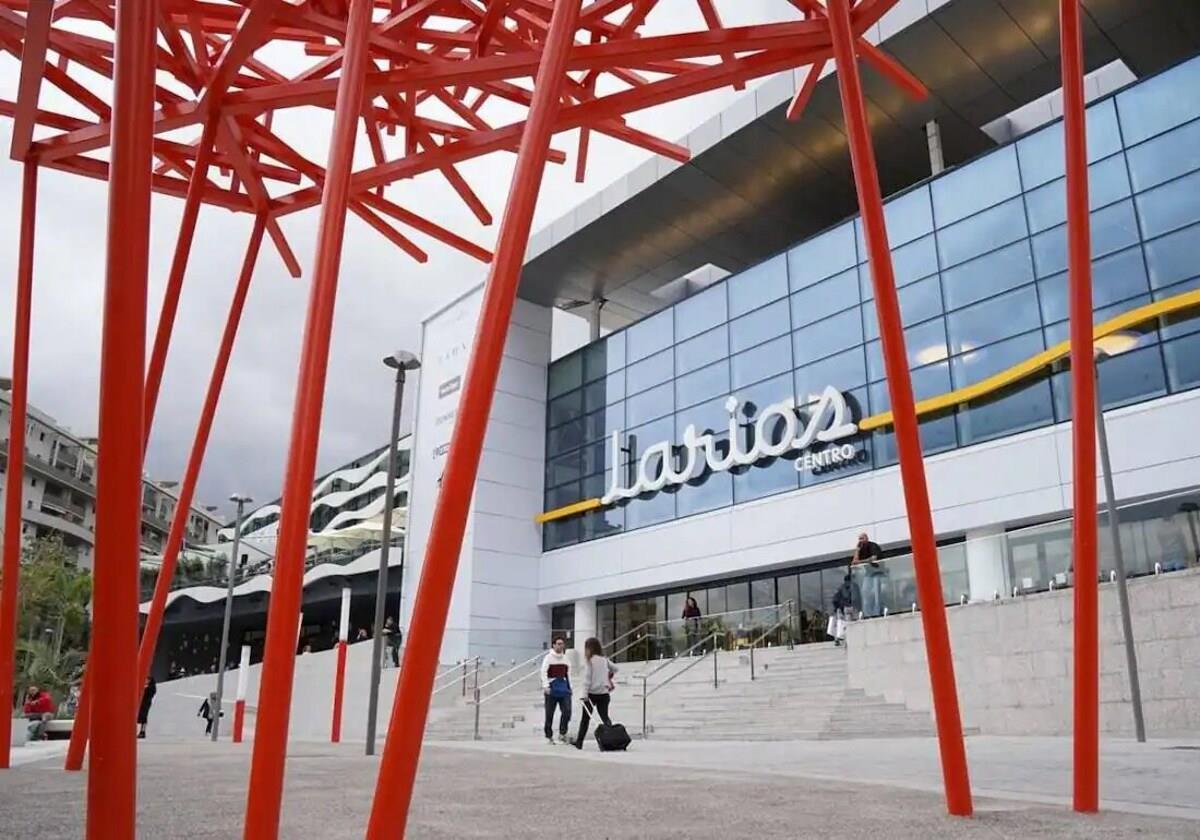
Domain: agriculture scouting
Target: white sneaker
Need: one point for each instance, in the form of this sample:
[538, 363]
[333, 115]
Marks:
[562, 739]
[550, 741]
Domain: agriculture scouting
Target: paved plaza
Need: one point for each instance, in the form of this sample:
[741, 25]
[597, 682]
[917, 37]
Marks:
[848, 789]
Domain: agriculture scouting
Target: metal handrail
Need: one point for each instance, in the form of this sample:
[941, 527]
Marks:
[451, 670]
[458, 671]
[753, 644]
[712, 636]
[616, 639]
[516, 667]
[647, 692]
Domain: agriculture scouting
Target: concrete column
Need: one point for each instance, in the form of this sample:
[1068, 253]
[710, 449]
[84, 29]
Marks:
[987, 573]
[593, 317]
[933, 134]
[585, 621]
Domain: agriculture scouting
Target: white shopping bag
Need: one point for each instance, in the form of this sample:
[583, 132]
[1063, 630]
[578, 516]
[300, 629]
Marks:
[841, 628]
[832, 627]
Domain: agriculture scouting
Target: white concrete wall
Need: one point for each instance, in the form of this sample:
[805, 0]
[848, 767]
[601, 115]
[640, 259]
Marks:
[1013, 660]
[506, 548]
[1014, 479]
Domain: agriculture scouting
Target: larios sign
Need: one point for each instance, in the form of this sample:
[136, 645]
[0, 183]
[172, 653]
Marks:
[828, 421]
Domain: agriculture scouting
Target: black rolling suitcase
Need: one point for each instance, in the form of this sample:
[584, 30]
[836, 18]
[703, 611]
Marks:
[608, 738]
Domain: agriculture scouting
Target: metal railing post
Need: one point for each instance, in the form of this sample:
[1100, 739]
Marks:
[643, 708]
[714, 652]
[464, 678]
[476, 736]
[791, 625]
[751, 662]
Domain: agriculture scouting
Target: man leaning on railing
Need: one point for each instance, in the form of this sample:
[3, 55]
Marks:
[866, 562]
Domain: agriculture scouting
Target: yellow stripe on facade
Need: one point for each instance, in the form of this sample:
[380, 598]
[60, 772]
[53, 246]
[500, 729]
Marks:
[567, 510]
[1034, 364]
[994, 383]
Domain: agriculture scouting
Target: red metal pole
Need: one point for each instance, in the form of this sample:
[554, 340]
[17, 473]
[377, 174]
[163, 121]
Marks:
[265, 793]
[908, 442]
[183, 249]
[1083, 413]
[77, 747]
[111, 785]
[16, 453]
[166, 572]
[239, 706]
[402, 750]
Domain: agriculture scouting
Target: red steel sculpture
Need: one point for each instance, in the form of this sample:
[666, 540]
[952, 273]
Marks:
[457, 80]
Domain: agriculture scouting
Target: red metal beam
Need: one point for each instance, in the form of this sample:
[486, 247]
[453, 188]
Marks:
[111, 783]
[1086, 796]
[187, 489]
[13, 503]
[908, 439]
[33, 62]
[265, 793]
[402, 751]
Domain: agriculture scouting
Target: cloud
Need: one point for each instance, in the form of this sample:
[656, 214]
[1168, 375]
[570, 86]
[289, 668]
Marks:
[382, 295]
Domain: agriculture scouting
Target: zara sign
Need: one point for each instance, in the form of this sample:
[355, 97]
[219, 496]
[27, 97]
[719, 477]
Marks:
[777, 431]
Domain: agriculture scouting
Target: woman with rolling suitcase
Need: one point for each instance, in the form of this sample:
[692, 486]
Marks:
[598, 685]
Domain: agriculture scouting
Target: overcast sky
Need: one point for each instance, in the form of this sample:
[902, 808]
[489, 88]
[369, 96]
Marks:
[383, 294]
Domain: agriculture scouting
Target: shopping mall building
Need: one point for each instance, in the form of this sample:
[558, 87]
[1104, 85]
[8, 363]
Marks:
[728, 434]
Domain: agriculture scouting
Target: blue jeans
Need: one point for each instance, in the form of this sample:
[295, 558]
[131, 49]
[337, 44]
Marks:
[872, 595]
[563, 704]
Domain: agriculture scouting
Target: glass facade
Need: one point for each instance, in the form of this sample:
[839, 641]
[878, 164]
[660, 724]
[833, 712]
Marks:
[980, 258]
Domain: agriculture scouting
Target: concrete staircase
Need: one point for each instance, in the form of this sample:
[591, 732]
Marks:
[802, 693]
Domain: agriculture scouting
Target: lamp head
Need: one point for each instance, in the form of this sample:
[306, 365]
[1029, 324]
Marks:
[402, 360]
[237, 498]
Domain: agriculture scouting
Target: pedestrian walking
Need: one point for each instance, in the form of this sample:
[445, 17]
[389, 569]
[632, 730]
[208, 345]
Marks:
[148, 692]
[393, 637]
[691, 621]
[598, 686]
[209, 710]
[556, 686]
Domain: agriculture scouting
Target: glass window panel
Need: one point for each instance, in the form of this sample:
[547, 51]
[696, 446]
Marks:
[1171, 206]
[757, 397]
[716, 600]
[595, 395]
[710, 416]
[1041, 153]
[787, 588]
[709, 492]
[825, 298]
[560, 533]
[1057, 333]
[1183, 362]
[908, 216]
[1182, 323]
[614, 386]
[700, 312]
[984, 232]
[650, 404]
[920, 301]
[702, 384]
[929, 381]
[980, 364]
[597, 457]
[1108, 181]
[816, 341]
[1114, 278]
[975, 186]
[565, 374]
[757, 286]
[737, 596]
[1012, 411]
[648, 434]
[915, 260]
[759, 326]
[1113, 229]
[763, 361]
[650, 372]
[999, 317]
[649, 510]
[938, 434]
[762, 594]
[595, 360]
[602, 523]
[702, 350]
[1174, 257]
[649, 336]
[566, 494]
[845, 371]
[614, 350]
[1160, 103]
[766, 478]
[825, 254]
[567, 436]
[988, 275]
[1163, 158]
[1128, 378]
[925, 344]
[565, 408]
[564, 468]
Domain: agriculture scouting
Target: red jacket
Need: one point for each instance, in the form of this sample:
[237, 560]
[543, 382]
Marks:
[40, 705]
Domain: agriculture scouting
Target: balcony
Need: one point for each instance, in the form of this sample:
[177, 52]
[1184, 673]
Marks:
[60, 474]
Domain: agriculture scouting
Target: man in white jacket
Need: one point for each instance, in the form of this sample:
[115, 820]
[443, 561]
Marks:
[556, 686]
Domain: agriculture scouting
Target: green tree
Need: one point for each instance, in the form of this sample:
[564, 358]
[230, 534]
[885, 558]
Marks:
[52, 616]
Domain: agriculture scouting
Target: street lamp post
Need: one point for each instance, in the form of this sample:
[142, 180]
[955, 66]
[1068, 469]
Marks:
[401, 361]
[1107, 347]
[231, 574]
